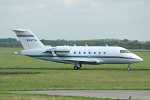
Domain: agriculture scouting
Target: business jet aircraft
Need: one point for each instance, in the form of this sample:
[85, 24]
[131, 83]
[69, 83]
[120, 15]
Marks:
[75, 55]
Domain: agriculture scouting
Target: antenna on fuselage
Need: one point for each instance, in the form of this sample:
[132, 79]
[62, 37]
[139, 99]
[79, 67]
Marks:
[106, 45]
[86, 45]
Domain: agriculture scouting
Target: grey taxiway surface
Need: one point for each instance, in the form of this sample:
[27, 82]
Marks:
[114, 94]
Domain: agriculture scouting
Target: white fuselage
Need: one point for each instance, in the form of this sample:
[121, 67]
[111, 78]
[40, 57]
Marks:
[85, 55]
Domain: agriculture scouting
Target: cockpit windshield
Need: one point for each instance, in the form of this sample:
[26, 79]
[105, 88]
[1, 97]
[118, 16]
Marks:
[125, 51]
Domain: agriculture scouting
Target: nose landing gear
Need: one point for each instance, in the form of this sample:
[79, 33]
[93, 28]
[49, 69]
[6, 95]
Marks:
[128, 67]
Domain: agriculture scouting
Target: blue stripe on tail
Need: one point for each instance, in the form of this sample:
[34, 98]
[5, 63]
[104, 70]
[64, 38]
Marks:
[25, 35]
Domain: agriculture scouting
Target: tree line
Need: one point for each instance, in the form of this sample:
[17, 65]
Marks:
[129, 44]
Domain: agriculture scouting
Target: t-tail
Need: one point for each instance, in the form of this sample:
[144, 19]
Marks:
[28, 39]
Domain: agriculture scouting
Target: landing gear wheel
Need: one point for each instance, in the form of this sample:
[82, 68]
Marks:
[128, 68]
[76, 68]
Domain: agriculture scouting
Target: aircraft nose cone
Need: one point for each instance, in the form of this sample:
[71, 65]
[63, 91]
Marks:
[140, 59]
[137, 58]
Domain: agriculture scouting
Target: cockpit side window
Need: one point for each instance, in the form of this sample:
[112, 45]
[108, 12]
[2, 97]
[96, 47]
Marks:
[127, 51]
[124, 51]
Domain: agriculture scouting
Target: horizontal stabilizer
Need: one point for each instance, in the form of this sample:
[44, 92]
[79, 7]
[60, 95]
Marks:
[19, 30]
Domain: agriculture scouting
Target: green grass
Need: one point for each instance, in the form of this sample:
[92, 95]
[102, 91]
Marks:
[13, 96]
[77, 80]
[19, 72]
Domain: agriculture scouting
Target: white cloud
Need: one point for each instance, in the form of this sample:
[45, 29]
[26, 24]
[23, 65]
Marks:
[77, 17]
[23, 8]
[69, 1]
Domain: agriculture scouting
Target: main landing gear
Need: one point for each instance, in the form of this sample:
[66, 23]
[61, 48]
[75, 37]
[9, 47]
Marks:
[77, 66]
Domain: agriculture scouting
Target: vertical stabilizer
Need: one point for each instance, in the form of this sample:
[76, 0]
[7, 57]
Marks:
[28, 39]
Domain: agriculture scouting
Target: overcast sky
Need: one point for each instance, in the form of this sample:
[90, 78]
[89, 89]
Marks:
[77, 19]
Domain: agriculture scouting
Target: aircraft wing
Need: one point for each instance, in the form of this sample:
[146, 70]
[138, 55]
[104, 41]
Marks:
[83, 60]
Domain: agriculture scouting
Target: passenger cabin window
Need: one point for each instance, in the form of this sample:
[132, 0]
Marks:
[74, 52]
[104, 52]
[124, 51]
[84, 52]
[94, 52]
[89, 52]
[99, 52]
[79, 52]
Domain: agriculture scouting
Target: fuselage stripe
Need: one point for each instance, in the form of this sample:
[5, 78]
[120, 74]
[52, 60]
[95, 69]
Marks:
[82, 56]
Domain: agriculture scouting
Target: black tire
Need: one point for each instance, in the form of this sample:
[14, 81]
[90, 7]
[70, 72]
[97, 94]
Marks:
[76, 68]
